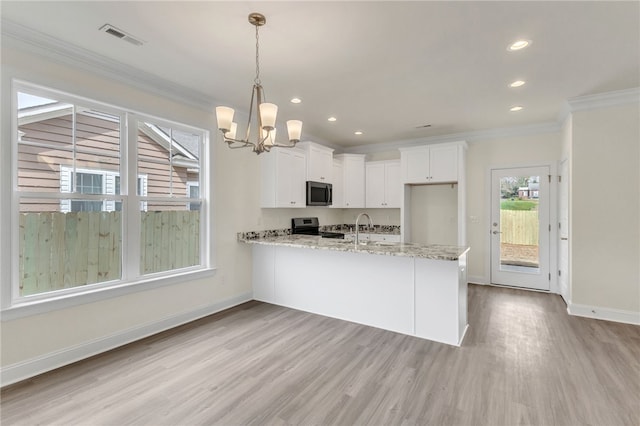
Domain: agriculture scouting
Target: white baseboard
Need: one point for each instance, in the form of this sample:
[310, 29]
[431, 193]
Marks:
[25, 369]
[477, 280]
[596, 312]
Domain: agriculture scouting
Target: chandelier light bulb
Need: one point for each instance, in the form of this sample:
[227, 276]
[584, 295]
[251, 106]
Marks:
[269, 137]
[225, 118]
[294, 128]
[231, 134]
[268, 113]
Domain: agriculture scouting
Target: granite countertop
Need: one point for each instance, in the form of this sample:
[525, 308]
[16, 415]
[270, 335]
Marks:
[426, 251]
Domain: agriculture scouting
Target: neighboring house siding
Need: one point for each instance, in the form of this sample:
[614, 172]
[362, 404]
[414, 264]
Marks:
[157, 168]
[39, 169]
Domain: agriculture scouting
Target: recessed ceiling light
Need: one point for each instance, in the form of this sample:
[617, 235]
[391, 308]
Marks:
[516, 108]
[519, 44]
[331, 119]
[358, 132]
[296, 100]
[517, 83]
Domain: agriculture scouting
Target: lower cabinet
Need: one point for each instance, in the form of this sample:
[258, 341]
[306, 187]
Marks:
[390, 238]
[441, 299]
[364, 236]
[415, 296]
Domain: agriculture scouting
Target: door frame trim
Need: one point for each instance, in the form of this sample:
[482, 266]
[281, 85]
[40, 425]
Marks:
[553, 218]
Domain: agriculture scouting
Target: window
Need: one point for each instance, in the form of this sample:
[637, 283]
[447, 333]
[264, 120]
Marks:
[193, 191]
[94, 182]
[80, 186]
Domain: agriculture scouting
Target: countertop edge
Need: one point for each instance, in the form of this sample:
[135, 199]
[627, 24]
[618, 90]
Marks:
[422, 251]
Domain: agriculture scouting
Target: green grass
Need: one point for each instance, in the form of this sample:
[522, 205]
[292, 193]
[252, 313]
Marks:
[518, 205]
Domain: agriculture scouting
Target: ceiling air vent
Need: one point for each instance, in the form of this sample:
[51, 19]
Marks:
[116, 32]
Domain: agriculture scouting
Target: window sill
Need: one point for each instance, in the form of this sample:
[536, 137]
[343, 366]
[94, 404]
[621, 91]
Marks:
[30, 308]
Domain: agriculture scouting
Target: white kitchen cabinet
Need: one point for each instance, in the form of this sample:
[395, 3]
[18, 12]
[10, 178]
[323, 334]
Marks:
[389, 238]
[432, 164]
[319, 162]
[429, 164]
[338, 184]
[353, 173]
[283, 178]
[365, 236]
[421, 297]
[440, 295]
[383, 184]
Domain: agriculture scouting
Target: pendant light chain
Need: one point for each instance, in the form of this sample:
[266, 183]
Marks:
[257, 79]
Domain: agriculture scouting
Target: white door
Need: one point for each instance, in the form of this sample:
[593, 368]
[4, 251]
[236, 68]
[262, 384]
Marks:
[520, 227]
[563, 217]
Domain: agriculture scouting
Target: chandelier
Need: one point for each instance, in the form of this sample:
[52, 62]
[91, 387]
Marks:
[265, 131]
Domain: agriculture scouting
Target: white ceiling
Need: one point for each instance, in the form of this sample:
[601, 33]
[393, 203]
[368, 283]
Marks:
[380, 67]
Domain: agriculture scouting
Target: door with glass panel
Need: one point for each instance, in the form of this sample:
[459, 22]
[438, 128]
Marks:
[520, 227]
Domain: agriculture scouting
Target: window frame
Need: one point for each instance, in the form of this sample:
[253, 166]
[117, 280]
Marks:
[16, 306]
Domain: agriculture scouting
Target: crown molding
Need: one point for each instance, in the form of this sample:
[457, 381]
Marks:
[474, 136]
[599, 100]
[604, 100]
[36, 42]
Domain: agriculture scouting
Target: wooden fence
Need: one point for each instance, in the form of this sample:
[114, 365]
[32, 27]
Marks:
[63, 250]
[519, 227]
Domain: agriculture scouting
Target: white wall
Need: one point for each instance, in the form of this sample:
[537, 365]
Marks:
[434, 214]
[235, 209]
[481, 157]
[605, 209]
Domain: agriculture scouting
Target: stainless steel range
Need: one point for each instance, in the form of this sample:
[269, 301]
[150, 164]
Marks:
[311, 226]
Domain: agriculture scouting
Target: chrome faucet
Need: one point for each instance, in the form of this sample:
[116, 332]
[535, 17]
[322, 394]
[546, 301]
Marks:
[358, 227]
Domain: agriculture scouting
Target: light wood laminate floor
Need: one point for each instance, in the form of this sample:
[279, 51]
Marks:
[523, 361]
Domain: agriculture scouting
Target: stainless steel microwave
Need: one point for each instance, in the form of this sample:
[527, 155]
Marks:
[319, 193]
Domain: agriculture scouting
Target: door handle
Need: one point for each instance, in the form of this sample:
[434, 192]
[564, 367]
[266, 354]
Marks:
[564, 238]
[497, 232]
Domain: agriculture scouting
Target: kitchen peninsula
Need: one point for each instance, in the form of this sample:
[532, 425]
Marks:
[414, 289]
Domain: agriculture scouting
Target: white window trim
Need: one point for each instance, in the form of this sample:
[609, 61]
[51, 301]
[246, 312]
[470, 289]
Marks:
[13, 307]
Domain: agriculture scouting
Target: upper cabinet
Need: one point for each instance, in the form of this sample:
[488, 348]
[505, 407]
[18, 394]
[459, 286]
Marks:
[283, 178]
[337, 178]
[429, 164]
[383, 184]
[353, 180]
[319, 162]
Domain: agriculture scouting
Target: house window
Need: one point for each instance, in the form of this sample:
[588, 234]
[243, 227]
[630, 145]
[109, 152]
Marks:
[88, 183]
[79, 187]
[193, 191]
